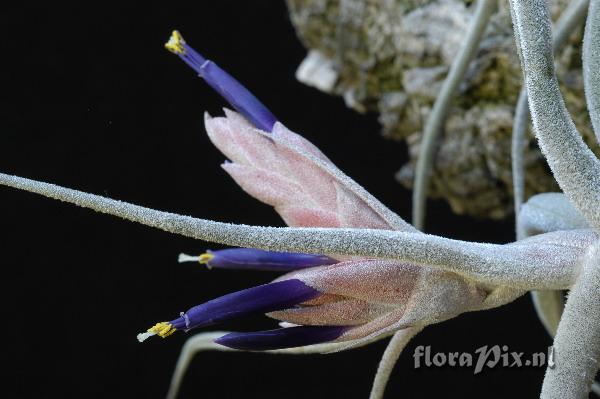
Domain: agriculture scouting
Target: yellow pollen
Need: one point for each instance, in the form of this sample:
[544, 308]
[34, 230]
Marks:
[163, 329]
[205, 258]
[175, 43]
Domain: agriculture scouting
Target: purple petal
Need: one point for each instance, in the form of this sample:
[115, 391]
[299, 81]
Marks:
[223, 83]
[238, 96]
[281, 338]
[262, 299]
[257, 259]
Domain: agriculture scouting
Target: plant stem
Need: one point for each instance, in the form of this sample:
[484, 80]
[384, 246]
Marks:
[440, 108]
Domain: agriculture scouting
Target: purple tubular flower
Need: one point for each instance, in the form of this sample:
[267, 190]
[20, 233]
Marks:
[223, 83]
[262, 299]
[281, 338]
[257, 259]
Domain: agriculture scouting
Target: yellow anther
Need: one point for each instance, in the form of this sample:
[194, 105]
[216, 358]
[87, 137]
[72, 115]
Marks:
[205, 258]
[163, 329]
[175, 43]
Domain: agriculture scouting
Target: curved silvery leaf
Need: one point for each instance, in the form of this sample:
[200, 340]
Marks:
[577, 342]
[577, 171]
[568, 22]
[545, 213]
[575, 167]
[549, 261]
[591, 65]
[549, 212]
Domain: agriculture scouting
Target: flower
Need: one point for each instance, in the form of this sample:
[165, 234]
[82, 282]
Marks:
[223, 83]
[257, 259]
[342, 298]
[322, 297]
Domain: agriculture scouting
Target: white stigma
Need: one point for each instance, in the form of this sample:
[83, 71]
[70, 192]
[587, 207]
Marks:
[144, 336]
[187, 258]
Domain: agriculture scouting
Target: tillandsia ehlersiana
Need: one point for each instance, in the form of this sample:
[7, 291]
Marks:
[352, 270]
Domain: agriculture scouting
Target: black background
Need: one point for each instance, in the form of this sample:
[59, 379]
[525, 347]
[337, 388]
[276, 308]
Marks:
[91, 100]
